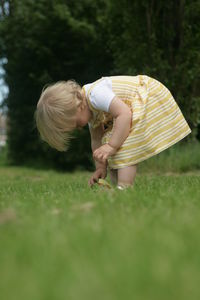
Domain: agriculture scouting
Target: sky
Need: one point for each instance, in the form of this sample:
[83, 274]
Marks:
[3, 87]
[3, 90]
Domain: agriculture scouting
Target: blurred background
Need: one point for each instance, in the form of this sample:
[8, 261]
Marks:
[45, 41]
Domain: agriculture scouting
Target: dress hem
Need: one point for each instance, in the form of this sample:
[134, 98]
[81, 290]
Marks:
[150, 155]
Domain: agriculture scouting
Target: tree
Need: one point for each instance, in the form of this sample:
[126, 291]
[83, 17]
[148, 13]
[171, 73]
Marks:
[160, 39]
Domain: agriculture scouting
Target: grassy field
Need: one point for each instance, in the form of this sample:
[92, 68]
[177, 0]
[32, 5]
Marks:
[59, 239]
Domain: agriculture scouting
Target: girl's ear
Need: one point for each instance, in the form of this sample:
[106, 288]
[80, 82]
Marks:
[80, 100]
[79, 96]
[82, 104]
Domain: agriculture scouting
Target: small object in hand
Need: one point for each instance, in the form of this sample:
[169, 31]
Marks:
[104, 183]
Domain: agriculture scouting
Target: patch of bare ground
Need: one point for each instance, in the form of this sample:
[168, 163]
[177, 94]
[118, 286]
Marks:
[8, 215]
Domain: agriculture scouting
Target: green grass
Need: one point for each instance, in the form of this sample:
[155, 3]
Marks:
[178, 158]
[182, 157]
[61, 240]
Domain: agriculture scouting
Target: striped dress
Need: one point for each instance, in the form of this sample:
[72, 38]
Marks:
[157, 121]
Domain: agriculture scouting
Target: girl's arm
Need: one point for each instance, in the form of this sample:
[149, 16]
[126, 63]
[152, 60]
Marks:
[101, 167]
[123, 116]
[96, 136]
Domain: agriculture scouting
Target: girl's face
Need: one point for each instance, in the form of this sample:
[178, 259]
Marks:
[83, 115]
[81, 119]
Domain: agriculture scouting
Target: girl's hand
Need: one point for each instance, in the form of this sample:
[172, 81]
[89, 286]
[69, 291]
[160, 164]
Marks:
[102, 153]
[99, 173]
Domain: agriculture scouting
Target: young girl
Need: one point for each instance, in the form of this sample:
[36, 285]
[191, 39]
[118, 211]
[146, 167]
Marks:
[130, 118]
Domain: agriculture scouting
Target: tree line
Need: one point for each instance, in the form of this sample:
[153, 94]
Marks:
[45, 41]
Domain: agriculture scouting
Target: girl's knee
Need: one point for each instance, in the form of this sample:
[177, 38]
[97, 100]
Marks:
[126, 176]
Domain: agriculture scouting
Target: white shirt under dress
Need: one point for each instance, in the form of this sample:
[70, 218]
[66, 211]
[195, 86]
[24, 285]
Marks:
[157, 121]
[100, 96]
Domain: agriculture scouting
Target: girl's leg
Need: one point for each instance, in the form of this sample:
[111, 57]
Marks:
[126, 176]
[113, 176]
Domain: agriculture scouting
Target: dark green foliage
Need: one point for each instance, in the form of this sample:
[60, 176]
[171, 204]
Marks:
[46, 41]
[160, 39]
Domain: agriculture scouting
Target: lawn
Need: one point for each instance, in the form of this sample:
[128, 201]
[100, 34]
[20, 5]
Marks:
[59, 239]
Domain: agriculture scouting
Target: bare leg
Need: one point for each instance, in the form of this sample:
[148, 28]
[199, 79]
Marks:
[126, 176]
[113, 176]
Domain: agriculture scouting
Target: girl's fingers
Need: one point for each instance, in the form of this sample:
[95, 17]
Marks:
[98, 157]
[91, 182]
[105, 156]
[96, 152]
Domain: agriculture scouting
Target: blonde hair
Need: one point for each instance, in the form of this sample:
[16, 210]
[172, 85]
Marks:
[56, 111]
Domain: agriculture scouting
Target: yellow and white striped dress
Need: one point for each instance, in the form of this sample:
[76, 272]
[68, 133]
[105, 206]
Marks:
[157, 121]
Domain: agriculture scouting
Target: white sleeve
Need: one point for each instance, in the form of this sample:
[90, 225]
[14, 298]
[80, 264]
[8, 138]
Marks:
[102, 95]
